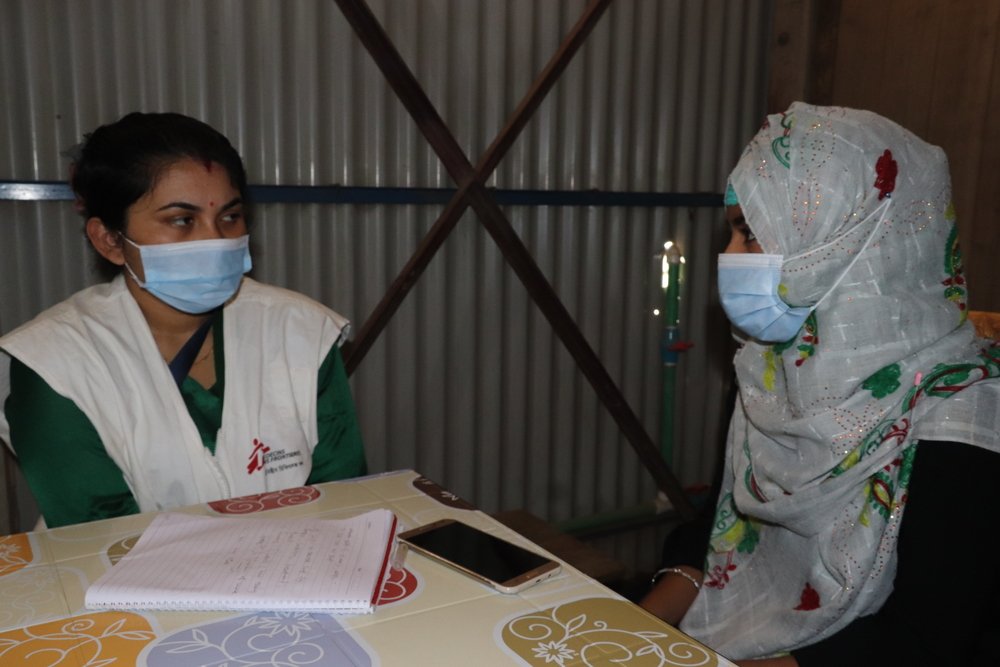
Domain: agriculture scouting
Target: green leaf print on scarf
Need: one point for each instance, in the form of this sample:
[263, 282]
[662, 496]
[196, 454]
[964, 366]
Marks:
[732, 530]
[948, 379]
[810, 339]
[883, 382]
[885, 494]
[886, 487]
[782, 145]
[882, 494]
[887, 429]
[954, 284]
[806, 349]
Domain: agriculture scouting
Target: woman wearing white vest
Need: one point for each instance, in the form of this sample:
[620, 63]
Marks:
[180, 380]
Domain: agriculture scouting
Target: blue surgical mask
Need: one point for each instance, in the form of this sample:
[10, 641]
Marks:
[748, 289]
[193, 276]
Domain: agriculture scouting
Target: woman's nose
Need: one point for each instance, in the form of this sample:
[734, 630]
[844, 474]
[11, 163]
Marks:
[209, 229]
[736, 243]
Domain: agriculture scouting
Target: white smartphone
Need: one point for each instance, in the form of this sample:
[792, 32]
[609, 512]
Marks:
[486, 558]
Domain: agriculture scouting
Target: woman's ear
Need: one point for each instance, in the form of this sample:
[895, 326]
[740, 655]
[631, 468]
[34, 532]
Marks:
[106, 242]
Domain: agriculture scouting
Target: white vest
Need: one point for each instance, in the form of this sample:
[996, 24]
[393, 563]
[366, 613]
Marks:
[96, 349]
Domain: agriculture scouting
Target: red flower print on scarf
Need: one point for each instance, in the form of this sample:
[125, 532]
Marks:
[810, 599]
[885, 174]
[718, 576]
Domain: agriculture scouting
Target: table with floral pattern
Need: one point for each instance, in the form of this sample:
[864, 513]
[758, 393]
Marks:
[428, 614]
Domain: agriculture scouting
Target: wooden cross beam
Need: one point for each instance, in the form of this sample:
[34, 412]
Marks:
[473, 192]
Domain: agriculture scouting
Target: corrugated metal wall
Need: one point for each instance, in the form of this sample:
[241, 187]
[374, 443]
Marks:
[468, 384]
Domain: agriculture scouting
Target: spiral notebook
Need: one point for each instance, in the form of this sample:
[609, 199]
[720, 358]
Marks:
[184, 562]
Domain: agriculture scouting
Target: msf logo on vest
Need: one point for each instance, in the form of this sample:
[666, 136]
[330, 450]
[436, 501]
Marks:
[262, 458]
[257, 456]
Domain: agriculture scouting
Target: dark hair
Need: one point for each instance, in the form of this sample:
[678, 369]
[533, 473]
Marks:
[120, 162]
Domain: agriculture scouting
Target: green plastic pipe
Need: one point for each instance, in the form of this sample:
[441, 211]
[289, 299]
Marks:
[660, 507]
[672, 258]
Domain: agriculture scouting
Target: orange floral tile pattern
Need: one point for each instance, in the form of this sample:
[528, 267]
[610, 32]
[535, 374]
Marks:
[91, 639]
[15, 553]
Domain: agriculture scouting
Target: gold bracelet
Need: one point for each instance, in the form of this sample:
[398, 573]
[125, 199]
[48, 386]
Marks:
[676, 570]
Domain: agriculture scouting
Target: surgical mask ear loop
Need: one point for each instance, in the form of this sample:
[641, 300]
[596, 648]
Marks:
[857, 256]
[125, 261]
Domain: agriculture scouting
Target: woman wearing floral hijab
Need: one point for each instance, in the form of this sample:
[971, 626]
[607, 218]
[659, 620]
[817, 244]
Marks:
[864, 398]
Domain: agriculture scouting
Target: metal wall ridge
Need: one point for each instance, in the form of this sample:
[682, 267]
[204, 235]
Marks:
[343, 194]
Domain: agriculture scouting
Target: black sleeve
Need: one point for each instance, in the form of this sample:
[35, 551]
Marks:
[687, 544]
[944, 608]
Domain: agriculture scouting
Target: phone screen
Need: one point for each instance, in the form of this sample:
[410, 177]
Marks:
[479, 552]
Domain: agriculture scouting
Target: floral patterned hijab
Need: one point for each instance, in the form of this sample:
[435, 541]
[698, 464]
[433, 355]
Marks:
[823, 438]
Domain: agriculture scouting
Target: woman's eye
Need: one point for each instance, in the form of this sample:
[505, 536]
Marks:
[744, 229]
[233, 217]
[182, 220]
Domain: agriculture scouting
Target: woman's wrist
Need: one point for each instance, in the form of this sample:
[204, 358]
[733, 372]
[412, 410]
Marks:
[672, 593]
